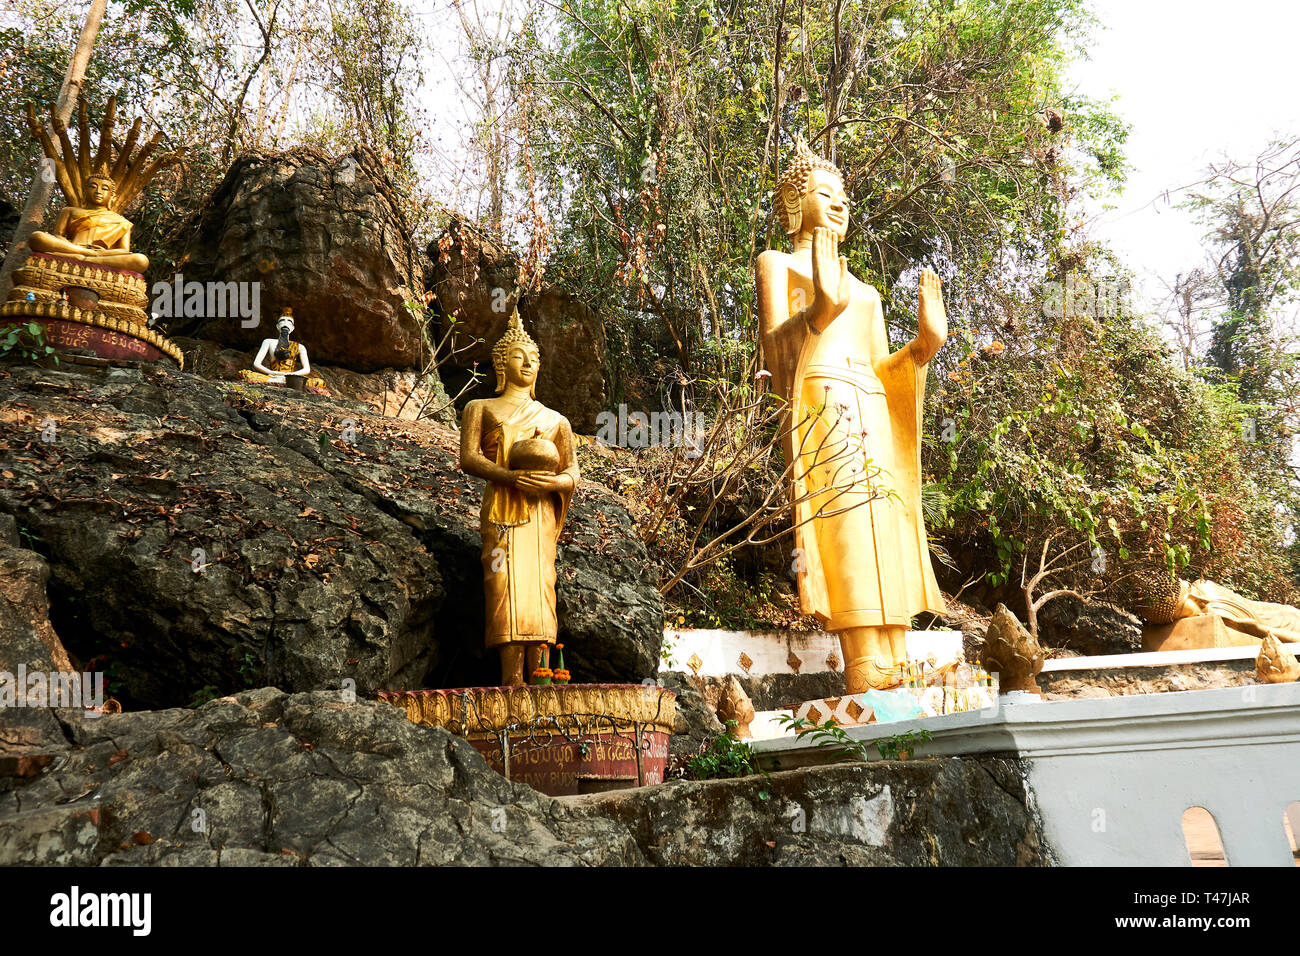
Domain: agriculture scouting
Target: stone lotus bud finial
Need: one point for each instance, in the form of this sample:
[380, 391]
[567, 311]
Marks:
[736, 705]
[1012, 652]
[1275, 664]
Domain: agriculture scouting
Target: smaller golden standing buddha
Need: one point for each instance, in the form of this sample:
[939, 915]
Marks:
[84, 272]
[525, 453]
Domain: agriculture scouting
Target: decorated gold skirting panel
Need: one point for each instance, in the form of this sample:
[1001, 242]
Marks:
[61, 310]
[53, 273]
[483, 712]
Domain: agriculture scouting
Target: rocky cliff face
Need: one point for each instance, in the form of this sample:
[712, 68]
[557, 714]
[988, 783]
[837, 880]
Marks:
[272, 779]
[471, 278]
[202, 537]
[1089, 627]
[323, 235]
[393, 392]
[188, 535]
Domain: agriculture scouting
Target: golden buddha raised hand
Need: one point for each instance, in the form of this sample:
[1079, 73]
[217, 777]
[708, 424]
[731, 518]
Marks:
[90, 227]
[862, 558]
[525, 452]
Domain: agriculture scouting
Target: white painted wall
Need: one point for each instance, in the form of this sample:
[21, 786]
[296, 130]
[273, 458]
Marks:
[769, 651]
[1111, 778]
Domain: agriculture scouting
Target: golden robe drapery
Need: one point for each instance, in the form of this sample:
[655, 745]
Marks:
[97, 228]
[867, 565]
[1255, 618]
[520, 533]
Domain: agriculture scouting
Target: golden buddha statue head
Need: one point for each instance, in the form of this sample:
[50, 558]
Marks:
[516, 358]
[811, 194]
[101, 187]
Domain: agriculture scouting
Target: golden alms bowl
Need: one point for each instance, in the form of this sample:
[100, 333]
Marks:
[535, 454]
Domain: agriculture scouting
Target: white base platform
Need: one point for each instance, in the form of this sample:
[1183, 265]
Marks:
[710, 653]
[1111, 778]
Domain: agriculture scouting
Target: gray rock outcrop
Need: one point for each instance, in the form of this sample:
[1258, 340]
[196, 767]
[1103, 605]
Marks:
[203, 537]
[271, 779]
[324, 235]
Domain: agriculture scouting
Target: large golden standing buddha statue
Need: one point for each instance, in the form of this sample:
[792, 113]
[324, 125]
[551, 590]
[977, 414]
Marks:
[525, 452]
[862, 558]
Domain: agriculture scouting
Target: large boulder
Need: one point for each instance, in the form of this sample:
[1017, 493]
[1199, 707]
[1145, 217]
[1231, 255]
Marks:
[324, 235]
[28, 645]
[268, 779]
[472, 280]
[1088, 627]
[696, 720]
[204, 537]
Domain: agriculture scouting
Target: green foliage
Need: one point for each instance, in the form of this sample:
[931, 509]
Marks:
[204, 694]
[250, 670]
[724, 757]
[221, 77]
[25, 343]
[659, 132]
[832, 736]
[1080, 432]
[1253, 241]
[901, 746]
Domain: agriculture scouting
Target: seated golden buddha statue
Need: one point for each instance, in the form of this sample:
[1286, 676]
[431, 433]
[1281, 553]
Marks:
[84, 271]
[93, 232]
[1182, 615]
[525, 452]
[281, 359]
[91, 227]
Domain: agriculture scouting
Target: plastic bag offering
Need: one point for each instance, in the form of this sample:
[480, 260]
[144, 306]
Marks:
[890, 705]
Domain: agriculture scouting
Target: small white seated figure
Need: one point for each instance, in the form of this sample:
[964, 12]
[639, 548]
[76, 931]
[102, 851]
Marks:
[280, 357]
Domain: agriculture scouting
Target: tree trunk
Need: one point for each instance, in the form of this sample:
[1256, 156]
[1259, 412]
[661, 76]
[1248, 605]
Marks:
[34, 211]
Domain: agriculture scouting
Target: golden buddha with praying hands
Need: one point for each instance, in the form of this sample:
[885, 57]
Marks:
[525, 452]
[853, 445]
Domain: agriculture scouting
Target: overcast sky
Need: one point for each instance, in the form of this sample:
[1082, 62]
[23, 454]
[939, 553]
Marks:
[1196, 79]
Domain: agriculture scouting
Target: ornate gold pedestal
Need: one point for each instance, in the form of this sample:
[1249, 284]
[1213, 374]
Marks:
[559, 738]
[103, 311]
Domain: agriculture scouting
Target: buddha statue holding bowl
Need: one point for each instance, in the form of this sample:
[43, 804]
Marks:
[84, 273]
[525, 453]
[853, 438]
[282, 361]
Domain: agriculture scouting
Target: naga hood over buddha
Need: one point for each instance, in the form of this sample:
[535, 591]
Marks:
[97, 186]
[82, 280]
[854, 427]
